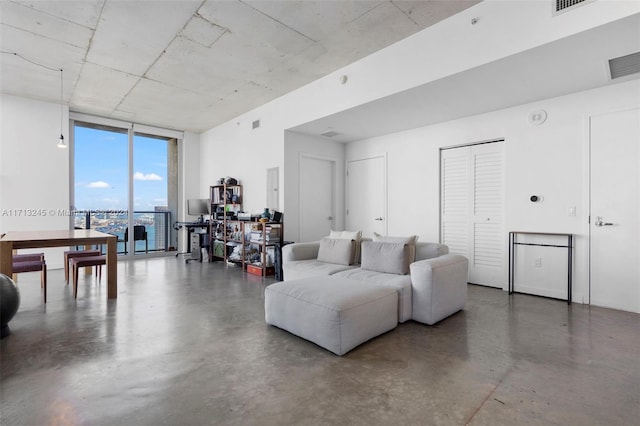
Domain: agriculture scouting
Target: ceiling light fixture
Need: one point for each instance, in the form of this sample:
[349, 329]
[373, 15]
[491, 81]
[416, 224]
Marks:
[61, 142]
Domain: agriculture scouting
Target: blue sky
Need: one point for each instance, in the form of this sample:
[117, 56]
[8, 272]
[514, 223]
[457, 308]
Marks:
[101, 170]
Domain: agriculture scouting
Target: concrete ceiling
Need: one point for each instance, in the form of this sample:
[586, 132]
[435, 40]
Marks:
[191, 65]
[570, 65]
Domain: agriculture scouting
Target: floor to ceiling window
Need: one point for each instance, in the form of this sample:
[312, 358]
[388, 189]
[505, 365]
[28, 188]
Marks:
[126, 180]
[151, 192]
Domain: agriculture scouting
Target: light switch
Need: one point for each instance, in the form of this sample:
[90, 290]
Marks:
[572, 210]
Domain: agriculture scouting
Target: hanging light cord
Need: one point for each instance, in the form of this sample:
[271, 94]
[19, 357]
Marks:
[61, 143]
[61, 107]
[30, 61]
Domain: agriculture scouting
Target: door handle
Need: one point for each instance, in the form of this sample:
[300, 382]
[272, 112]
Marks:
[600, 222]
[378, 218]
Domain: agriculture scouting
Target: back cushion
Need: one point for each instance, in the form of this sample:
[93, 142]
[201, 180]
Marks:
[390, 258]
[410, 241]
[337, 250]
[349, 235]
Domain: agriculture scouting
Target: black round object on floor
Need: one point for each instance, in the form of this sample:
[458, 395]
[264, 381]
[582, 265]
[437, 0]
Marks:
[9, 303]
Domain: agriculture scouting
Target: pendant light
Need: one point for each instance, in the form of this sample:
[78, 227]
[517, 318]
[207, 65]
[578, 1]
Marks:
[61, 142]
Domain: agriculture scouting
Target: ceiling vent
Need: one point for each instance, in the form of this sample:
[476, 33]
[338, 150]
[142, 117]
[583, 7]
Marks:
[565, 5]
[329, 134]
[624, 65]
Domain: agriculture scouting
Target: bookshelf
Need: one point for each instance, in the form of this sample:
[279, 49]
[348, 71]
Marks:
[259, 246]
[226, 231]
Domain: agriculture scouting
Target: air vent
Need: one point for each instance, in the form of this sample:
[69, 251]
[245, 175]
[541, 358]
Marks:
[329, 134]
[255, 124]
[562, 6]
[565, 4]
[624, 65]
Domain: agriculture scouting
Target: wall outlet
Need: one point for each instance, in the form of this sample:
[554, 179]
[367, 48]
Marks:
[538, 262]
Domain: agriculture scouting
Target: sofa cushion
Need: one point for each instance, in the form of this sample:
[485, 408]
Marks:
[391, 258]
[430, 250]
[400, 283]
[349, 235]
[297, 269]
[410, 241]
[337, 250]
[335, 313]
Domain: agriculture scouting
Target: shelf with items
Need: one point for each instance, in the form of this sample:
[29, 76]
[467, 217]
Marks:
[226, 232]
[234, 241]
[260, 240]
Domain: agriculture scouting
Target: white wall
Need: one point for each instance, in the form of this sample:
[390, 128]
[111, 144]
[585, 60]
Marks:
[548, 160]
[34, 172]
[503, 29]
[244, 153]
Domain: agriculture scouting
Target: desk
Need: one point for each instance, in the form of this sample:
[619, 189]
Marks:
[191, 226]
[41, 239]
[512, 248]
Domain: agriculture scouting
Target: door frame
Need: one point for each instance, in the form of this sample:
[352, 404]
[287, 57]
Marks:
[385, 200]
[586, 270]
[334, 180]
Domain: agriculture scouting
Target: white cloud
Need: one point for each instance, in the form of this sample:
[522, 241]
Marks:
[148, 176]
[98, 184]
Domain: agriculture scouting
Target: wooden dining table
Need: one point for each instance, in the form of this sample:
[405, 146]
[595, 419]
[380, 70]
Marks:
[16, 240]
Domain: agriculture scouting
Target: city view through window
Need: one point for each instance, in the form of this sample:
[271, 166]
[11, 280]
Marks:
[101, 186]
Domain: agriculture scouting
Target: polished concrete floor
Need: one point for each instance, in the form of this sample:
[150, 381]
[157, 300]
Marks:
[186, 344]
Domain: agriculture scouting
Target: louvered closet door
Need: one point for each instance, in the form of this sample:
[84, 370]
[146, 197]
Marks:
[455, 201]
[472, 209]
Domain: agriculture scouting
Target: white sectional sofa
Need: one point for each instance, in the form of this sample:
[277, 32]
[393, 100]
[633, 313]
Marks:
[430, 284]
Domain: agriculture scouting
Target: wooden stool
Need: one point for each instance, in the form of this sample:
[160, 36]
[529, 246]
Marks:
[68, 255]
[81, 262]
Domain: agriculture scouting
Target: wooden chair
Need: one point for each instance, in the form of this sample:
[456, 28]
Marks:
[81, 262]
[32, 263]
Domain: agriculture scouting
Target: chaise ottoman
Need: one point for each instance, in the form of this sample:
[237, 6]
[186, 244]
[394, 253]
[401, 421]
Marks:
[333, 312]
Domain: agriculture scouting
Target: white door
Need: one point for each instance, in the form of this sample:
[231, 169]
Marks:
[472, 203]
[273, 184]
[614, 213]
[367, 196]
[317, 186]
[455, 201]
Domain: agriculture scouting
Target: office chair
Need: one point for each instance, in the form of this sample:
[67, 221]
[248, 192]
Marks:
[139, 234]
